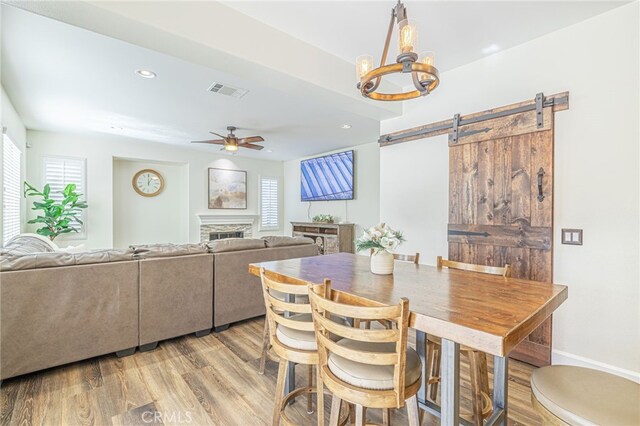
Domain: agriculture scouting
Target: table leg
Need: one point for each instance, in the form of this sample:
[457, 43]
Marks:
[450, 383]
[290, 384]
[500, 390]
[421, 347]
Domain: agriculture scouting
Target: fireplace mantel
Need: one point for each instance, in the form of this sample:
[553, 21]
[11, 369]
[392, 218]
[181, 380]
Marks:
[227, 219]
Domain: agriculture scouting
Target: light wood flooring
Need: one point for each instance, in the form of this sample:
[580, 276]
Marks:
[211, 380]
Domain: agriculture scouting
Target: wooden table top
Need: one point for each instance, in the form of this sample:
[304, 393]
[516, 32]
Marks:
[490, 313]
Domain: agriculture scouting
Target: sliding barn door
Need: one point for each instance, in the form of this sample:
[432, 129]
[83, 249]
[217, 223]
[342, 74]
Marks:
[501, 204]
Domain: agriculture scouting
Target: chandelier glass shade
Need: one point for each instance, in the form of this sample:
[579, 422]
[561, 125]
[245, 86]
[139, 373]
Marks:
[424, 75]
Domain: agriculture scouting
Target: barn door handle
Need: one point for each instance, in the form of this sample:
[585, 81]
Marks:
[540, 175]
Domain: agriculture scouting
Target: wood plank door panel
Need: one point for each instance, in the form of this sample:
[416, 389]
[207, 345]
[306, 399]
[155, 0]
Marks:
[495, 213]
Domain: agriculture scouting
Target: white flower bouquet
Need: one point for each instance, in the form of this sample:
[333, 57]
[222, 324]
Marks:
[380, 238]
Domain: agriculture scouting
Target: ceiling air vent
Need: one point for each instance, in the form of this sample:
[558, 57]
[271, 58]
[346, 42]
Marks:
[225, 89]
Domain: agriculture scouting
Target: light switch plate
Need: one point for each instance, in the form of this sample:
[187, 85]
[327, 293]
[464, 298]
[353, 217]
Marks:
[572, 236]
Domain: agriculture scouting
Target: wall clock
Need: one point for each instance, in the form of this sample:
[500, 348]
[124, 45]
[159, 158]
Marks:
[148, 183]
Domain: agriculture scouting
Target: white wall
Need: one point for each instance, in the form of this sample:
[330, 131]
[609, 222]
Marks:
[596, 167]
[363, 210]
[100, 151]
[16, 131]
[145, 220]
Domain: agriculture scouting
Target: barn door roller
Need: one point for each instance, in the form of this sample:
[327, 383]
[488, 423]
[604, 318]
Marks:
[539, 107]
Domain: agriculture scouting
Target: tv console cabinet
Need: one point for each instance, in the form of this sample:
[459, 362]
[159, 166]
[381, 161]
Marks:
[330, 237]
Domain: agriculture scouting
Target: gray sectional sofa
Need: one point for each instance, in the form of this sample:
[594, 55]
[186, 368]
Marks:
[57, 308]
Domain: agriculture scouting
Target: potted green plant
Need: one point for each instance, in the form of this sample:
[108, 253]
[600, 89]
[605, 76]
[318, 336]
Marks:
[381, 240]
[323, 218]
[58, 217]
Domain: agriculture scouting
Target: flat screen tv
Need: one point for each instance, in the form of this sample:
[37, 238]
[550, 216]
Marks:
[327, 178]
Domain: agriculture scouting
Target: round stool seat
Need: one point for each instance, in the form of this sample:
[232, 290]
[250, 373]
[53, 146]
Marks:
[582, 396]
[375, 377]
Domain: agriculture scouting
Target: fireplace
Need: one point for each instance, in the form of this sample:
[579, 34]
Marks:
[221, 235]
[213, 227]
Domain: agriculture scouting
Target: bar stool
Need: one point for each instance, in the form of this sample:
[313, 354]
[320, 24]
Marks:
[292, 337]
[266, 345]
[480, 396]
[567, 395]
[368, 368]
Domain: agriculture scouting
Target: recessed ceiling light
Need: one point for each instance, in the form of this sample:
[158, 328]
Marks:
[346, 126]
[146, 73]
[269, 150]
[491, 49]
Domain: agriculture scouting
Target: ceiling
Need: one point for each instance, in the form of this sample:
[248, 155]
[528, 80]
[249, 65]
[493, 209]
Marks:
[64, 77]
[458, 32]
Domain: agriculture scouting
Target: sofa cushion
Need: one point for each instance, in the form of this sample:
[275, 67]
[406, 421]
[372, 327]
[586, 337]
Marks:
[283, 241]
[235, 244]
[58, 259]
[146, 251]
[27, 244]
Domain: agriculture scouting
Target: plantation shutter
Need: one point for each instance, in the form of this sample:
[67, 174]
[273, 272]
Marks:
[268, 203]
[11, 197]
[61, 171]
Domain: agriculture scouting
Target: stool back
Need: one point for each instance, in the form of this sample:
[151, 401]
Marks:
[505, 271]
[329, 332]
[278, 310]
[413, 258]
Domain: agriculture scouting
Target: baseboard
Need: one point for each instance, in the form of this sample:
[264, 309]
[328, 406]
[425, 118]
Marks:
[565, 358]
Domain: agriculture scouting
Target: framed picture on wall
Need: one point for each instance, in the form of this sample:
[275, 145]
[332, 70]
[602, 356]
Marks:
[227, 189]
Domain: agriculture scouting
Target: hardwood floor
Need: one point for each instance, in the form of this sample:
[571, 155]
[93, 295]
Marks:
[211, 380]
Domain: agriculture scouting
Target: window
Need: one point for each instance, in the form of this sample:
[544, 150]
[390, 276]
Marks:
[268, 203]
[11, 196]
[61, 171]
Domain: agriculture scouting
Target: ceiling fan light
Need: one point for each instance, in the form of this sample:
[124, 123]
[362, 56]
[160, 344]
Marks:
[231, 147]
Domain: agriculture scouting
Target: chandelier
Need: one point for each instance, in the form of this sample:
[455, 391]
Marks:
[421, 67]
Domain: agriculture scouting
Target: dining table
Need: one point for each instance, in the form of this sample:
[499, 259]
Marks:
[488, 313]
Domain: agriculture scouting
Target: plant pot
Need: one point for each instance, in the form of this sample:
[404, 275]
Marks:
[382, 263]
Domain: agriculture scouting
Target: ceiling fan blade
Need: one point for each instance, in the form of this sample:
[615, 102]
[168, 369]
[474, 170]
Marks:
[213, 142]
[218, 134]
[251, 139]
[251, 146]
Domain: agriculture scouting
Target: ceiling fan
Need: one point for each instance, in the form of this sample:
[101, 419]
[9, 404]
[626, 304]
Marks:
[231, 142]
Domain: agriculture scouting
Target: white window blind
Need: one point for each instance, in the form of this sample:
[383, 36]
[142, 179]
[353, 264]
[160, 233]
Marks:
[268, 203]
[60, 172]
[11, 196]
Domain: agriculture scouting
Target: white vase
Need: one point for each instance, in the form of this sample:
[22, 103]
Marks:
[382, 263]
